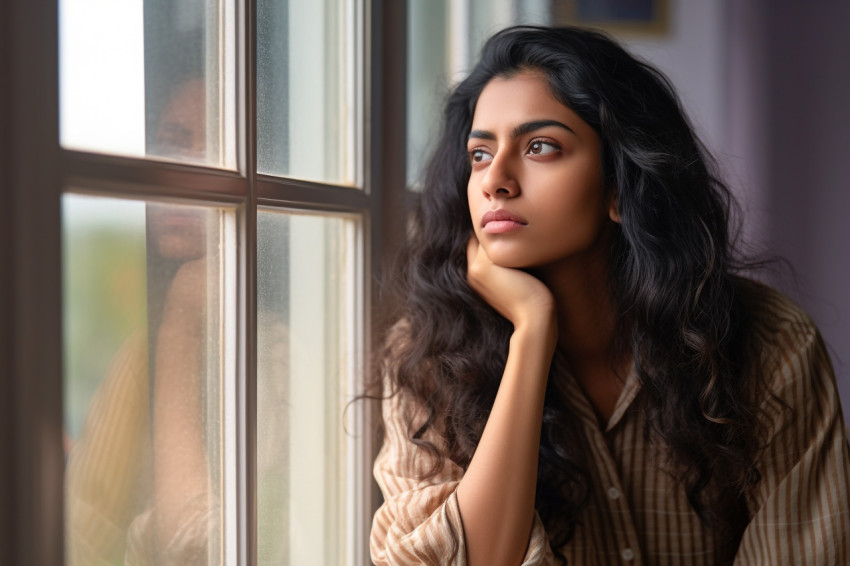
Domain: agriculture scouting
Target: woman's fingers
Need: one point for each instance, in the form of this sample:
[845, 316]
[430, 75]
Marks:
[515, 294]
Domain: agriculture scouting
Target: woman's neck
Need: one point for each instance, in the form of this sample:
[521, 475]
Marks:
[587, 326]
[586, 311]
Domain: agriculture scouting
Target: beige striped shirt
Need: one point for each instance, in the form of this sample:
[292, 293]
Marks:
[637, 514]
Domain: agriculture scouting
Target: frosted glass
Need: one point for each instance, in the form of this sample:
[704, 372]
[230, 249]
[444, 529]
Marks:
[143, 382]
[305, 330]
[149, 78]
[308, 90]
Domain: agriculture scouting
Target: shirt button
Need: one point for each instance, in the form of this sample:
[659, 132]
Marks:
[613, 493]
[627, 554]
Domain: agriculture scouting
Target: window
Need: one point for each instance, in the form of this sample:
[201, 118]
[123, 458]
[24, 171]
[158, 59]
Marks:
[199, 201]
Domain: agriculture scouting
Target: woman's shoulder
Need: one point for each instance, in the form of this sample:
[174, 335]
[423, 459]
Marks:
[398, 333]
[781, 333]
[773, 311]
[395, 343]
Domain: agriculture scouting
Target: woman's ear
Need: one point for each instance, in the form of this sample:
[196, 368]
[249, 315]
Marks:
[613, 212]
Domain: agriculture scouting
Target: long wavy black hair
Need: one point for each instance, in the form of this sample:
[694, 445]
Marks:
[673, 279]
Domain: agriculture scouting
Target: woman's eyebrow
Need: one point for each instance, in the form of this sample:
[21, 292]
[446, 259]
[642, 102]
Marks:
[521, 130]
[529, 127]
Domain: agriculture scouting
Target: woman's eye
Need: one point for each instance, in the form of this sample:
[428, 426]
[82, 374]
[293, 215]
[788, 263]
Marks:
[541, 148]
[479, 155]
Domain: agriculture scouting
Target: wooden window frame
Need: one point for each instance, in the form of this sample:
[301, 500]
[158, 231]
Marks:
[35, 170]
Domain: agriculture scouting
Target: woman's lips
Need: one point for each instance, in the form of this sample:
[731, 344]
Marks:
[501, 221]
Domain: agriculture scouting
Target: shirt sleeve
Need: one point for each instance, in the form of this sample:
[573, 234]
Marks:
[419, 521]
[108, 464]
[802, 509]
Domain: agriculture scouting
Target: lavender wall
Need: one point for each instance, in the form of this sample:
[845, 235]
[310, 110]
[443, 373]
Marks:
[789, 99]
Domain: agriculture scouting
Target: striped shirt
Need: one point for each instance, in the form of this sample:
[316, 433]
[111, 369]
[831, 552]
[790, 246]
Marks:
[105, 481]
[637, 514]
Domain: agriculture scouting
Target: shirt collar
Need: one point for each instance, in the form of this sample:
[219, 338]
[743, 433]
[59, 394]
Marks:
[579, 401]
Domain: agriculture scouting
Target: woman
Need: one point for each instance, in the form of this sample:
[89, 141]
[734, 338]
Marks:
[578, 374]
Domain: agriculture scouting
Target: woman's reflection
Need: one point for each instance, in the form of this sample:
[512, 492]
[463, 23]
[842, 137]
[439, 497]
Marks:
[139, 477]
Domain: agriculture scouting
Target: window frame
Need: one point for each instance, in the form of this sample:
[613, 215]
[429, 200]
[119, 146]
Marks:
[35, 172]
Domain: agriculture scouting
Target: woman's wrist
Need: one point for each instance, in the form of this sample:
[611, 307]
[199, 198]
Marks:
[537, 332]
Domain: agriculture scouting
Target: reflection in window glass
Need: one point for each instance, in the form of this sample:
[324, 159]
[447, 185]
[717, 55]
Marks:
[148, 78]
[305, 359]
[307, 88]
[143, 381]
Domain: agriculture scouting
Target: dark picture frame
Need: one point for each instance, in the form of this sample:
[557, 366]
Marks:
[619, 17]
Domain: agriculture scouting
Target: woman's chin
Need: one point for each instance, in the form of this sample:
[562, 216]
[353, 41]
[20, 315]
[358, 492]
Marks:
[508, 260]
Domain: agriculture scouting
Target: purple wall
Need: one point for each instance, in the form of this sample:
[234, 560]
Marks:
[788, 122]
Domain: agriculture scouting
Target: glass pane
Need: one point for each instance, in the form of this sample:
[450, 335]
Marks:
[149, 78]
[308, 86]
[145, 370]
[306, 325]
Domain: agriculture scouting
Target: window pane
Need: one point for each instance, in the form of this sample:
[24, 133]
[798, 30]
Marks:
[149, 78]
[307, 89]
[306, 330]
[146, 372]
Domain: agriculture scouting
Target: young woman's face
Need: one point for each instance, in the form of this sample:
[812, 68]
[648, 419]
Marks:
[536, 191]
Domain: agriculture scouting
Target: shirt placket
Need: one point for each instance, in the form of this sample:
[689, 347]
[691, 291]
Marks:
[609, 487]
[608, 484]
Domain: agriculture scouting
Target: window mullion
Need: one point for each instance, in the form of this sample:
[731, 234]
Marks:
[303, 194]
[247, 253]
[385, 179]
[144, 178]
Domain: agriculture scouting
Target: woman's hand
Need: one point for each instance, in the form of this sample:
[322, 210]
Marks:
[496, 495]
[516, 295]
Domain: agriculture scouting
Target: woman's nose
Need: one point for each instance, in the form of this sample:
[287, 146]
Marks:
[500, 181]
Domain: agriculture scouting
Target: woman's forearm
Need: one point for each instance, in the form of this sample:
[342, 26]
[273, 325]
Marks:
[496, 495]
[180, 464]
